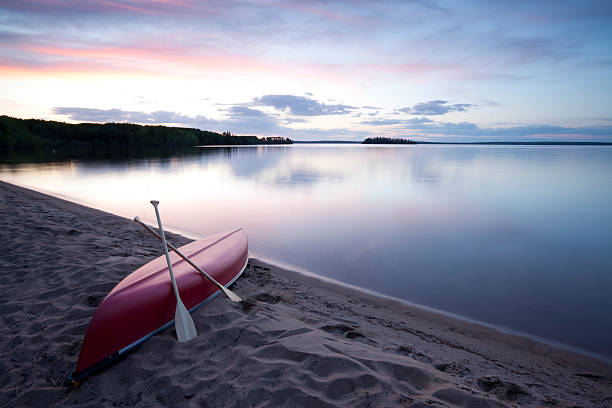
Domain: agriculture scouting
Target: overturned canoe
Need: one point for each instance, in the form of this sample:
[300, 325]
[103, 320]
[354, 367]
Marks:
[143, 303]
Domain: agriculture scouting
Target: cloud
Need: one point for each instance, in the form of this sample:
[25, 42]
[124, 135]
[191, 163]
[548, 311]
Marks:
[467, 131]
[247, 121]
[436, 107]
[101, 6]
[244, 112]
[174, 37]
[491, 103]
[294, 120]
[383, 122]
[418, 121]
[119, 115]
[301, 105]
[239, 119]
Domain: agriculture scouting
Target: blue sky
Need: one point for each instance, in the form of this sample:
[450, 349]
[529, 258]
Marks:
[426, 70]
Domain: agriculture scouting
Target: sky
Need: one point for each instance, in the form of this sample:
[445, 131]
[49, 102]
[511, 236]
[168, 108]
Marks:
[316, 70]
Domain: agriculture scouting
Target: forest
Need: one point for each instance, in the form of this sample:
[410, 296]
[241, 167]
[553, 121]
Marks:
[22, 134]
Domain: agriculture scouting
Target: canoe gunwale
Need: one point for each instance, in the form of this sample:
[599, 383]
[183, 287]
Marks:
[77, 378]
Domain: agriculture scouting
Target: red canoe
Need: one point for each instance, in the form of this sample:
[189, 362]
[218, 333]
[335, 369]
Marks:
[143, 303]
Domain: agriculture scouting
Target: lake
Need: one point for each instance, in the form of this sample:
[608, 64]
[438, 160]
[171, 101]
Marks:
[519, 237]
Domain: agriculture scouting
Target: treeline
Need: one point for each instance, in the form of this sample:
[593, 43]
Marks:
[272, 140]
[387, 140]
[42, 134]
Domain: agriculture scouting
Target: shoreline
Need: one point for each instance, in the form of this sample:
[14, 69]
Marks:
[504, 330]
[297, 338]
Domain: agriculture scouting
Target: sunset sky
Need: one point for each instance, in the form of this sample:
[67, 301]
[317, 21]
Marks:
[310, 70]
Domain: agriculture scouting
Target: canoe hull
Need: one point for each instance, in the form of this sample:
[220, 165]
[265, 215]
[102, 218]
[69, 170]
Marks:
[143, 303]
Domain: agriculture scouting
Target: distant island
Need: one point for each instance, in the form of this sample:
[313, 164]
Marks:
[49, 135]
[387, 140]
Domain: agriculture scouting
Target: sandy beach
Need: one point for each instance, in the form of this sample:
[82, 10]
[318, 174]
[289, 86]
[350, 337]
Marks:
[293, 341]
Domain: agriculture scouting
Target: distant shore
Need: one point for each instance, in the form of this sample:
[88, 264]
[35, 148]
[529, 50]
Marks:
[294, 341]
[552, 143]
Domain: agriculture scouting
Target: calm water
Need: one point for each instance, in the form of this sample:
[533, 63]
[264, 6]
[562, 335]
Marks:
[517, 237]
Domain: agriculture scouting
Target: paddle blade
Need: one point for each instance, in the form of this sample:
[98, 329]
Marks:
[183, 323]
[231, 295]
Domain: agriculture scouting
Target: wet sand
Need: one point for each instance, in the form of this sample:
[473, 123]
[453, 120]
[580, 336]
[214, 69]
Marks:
[294, 340]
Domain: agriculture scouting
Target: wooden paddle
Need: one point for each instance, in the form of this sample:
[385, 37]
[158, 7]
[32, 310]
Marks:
[185, 329]
[231, 295]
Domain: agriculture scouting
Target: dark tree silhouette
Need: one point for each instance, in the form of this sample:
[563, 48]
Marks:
[42, 134]
[387, 140]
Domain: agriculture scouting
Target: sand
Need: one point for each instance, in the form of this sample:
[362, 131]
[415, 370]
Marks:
[294, 341]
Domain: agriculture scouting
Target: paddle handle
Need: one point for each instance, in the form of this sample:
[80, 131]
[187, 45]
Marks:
[231, 295]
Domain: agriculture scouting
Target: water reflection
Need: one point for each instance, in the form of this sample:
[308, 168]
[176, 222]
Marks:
[514, 236]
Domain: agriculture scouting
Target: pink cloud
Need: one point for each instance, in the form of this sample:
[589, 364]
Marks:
[105, 6]
[167, 61]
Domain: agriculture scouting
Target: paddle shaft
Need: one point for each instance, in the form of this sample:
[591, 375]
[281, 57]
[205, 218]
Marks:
[165, 245]
[231, 295]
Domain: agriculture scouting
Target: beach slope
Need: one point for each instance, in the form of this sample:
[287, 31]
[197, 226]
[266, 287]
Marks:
[293, 341]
